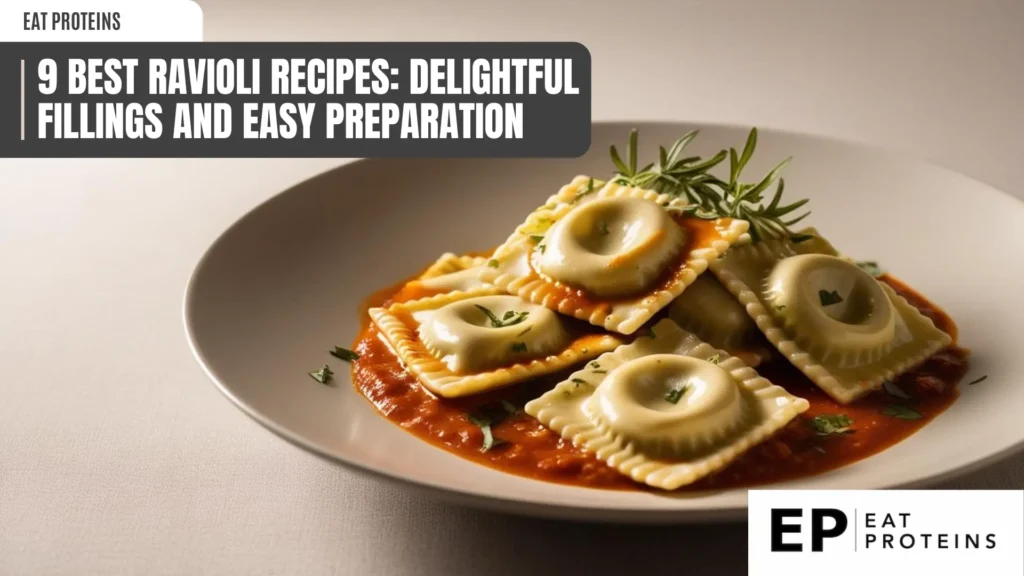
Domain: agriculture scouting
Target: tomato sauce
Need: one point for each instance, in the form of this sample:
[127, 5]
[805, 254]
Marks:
[526, 448]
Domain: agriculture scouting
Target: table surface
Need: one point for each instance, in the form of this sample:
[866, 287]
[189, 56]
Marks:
[118, 456]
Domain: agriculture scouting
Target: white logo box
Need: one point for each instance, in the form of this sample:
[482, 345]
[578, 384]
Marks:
[906, 532]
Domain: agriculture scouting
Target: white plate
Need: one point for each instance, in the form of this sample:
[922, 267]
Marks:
[285, 283]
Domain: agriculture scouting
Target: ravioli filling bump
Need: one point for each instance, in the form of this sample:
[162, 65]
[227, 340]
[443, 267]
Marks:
[845, 330]
[463, 343]
[667, 409]
[609, 254]
[611, 247]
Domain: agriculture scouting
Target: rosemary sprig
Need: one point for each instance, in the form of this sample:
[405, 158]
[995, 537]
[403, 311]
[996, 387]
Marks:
[709, 196]
[673, 173]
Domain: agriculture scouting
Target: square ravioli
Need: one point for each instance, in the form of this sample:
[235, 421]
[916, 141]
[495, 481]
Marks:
[667, 409]
[845, 330]
[450, 273]
[609, 254]
[463, 343]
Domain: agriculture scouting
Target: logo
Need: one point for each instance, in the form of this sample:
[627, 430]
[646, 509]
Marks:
[818, 530]
[886, 532]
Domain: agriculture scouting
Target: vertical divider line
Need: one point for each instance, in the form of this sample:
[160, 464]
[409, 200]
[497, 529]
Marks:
[23, 100]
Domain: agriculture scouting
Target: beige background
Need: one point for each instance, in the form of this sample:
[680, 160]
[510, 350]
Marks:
[117, 456]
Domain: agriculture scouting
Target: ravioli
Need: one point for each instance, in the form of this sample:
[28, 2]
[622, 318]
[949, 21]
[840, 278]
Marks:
[463, 343]
[667, 409]
[452, 273]
[608, 254]
[841, 327]
[708, 310]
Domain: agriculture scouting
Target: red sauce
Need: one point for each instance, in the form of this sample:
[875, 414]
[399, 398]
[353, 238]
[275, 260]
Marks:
[531, 450]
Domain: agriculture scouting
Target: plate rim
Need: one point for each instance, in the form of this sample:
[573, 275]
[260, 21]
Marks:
[533, 508]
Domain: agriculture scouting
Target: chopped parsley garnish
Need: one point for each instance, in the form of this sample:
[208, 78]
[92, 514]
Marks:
[827, 424]
[650, 333]
[798, 238]
[322, 375]
[542, 248]
[780, 307]
[518, 347]
[871, 268]
[489, 416]
[581, 194]
[523, 333]
[537, 238]
[599, 371]
[492, 263]
[595, 365]
[901, 412]
[978, 381]
[602, 227]
[485, 426]
[344, 354]
[579, 382]
[714, 359]
[829, 298]
[675, 394]
[509, 319]
[895, 391]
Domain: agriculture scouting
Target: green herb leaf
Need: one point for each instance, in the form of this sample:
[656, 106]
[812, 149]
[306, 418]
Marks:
[542, 248]
[510, 318]
[829, 298]
[893, 390]
[871, 268]
[978, 381]
[827, 424]
[599, 371]
[579, 382]
[800, 238]
[537, 238]
[489, 416]
[650, 333]
[322, 375]
[590, 190]
[714, 358]
[675, 394]
[485, 426]
[518, 347]
[492, 263]
[594, 364]
[495, 322]
[901, 412]
[344, 354]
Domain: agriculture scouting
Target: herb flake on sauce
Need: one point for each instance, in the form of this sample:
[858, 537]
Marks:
[901, 412]
[344, 354]
[828, 424]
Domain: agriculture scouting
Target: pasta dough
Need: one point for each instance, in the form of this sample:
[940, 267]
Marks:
[667, 409]
[608, 254]
[453, 273]
[708, 310]
[842, 328]
[463, 343]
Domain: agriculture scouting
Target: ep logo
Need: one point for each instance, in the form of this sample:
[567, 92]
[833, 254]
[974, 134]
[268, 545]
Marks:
[787, 528]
